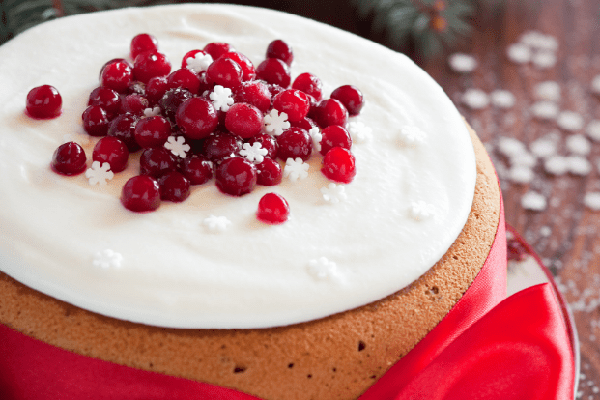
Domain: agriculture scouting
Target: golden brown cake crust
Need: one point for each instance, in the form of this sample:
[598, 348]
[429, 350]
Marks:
[337, 357]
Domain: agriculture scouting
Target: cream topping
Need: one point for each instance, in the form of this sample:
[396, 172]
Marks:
[208, 262]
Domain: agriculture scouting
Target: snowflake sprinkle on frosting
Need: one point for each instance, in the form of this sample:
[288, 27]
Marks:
[360, 132]
[334, 193]
[254, 152]
[315, 134]
[216, 224]
[222, 98]
[411, 135]
[177, 145]
[200, 62]
[276, 122]
[295, 169]
[421, 210]
[99, 173]
[322, 269]
[108, 258]
[77, 137]
[152, 112]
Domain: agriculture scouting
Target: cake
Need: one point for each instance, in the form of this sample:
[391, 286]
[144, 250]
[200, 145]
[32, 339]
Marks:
[320, 306]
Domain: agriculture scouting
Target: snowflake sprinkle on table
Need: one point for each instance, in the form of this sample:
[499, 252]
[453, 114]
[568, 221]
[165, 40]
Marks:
[200, 62]
[360, 132]
[177, 145]
[108, 258]
[216, 223]
[334, 193]
[151, 112]
[276, 122]
[295, 169]
[222, 98]
[316, 136]
[322, 269]
[99, 173]
[254, 152]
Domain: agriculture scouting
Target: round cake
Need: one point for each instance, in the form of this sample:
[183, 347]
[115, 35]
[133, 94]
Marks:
[322, 304]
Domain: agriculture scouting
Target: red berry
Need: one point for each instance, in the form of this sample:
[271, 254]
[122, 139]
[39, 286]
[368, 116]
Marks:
[68, 159]
[281, 50]
[174, 187]
[244, 119]
[113, 151]
[142, 43]
[351, 98]
[205, 85]
[197, 118]
[330, 112]
[108, 99]
[156, 88]
[44, 102]
[95, 121]
[275, 89]
[172, 99]
[339, 165]
[335, 136]
[225, 72]
[274, 71]
[219, 146]
[152, 131]
[116, 76]
[269, 172]
[292, 102]
[216, 50]
[294, 142]
[273, 209]
[141, 194]
[309, 84]
[236, 176]
[184, 78]
[197, 169]
[116, 60]
[123, 128]
[248, 71]
[157, 161]
[256, 93]
[134, 104]
[267, 142]
[149, 64]
[304, 123]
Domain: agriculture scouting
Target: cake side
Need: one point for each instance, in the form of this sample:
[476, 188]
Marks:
[337, 357]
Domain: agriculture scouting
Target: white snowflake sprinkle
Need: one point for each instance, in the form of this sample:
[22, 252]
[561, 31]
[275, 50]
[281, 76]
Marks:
[533, 201]
[475, 99]
[222, 98]
[178, 146]
[254, 153]
[511, 147]
[556, 165]
[99, 173]
[544, 110]
[295, 169]
[592, 201]
[108, 258]
[544, 147]
[200, 62]
[316, 136]
[524, 160]
[539, 41]
[461, 62]
[410, 136]
[359, 132]
[593, 130]
[544, 59]
[420, 210]
[334, 193]
[578, 145]
[520, 174]
[502, 99]
[548, 90]
[322, 269]
[276, 123]
[216, 224]
[578, 165]
[151, 112]
[596, 85]
[570, 121]
[518, 53]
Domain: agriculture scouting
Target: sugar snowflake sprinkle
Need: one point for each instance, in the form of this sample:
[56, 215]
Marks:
[420, 210]
[200, 62]
[177, 145]
[316, 136]
[322, 269]
[360, 132]
[461, 62]
[411, 135]
[533, 201]
[334, 193]
[216, 224]
[475, 99]
[276, 123]
[295, 169]
[222, 98]
[254, 152]
[151, 112]
[108, 258]
[99, 173]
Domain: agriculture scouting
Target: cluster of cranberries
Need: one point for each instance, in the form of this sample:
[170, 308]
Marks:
[116, 113]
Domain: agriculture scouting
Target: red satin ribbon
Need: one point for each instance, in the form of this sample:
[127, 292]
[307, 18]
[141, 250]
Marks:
[517, 349]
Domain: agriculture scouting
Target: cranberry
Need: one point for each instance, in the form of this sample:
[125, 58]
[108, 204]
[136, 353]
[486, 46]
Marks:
[267, 142]
[156, 88]
[149, 64]
[152, 131]
[142, 43]
[225, 72]
[137, 87]
[294, 142]
[113, 151]
[134, 104]
[117, 76]
[330, 112]
[248, 71]
[236, 176]
[95, 121]
[335, 136]
[68, 159]
[244, 119]
[281, 50]
[141, 194]
[197, 169]
[216, 50]
[197, 118]
[274, 71]
[273, 209]
[174, 187]
[351, 98]
[205, 85]
[219, 146]
[108, 99]
[309, 84]
[304, 123]
[123, 60]
[44, 102]
[157, 161]
[172, 99]
[123, 128]
[292, 102]
[275, 89]
[184, 78]
[256, 93]
[269, 172]
[339, 165]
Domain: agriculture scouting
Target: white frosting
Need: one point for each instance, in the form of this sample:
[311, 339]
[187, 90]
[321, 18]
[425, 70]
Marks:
[180, 267]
